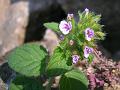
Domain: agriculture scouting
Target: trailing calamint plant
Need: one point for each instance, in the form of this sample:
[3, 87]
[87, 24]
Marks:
[78, 40]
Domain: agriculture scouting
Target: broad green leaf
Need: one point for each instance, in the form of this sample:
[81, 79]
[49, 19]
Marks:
[58, 63]
[28, 59]
[53, 26]
[74, 80]
[24, 83]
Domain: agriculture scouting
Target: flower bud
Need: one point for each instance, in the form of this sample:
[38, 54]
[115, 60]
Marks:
[69, 16]
[71, 42]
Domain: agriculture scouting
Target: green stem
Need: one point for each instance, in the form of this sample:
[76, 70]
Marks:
[50, 81]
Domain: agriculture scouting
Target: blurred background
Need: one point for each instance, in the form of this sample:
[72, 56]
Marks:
[21, 21]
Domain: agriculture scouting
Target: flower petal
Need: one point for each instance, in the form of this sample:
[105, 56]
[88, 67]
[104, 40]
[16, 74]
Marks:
[87, 51]
[65, 27]
[89, 34]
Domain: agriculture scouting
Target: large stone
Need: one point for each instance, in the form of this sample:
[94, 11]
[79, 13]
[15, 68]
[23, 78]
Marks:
[50, 41]
[13, 22]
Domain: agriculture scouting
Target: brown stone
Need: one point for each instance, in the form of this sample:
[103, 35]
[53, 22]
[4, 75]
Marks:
[50, 41]
[13, 22]
[2, 85]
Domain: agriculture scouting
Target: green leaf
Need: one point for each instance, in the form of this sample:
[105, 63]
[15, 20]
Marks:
[100, 35]
[53, 26]
[90, 58]
[68, 57]
[64, 43]
[73, 80]
[80, 41]
[28, 59]
[97, 18]
[81, 16]
[58, 63]
[24, 83]
[91, 43]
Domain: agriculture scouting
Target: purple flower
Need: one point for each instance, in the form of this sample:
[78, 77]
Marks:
[87, 51]
[89, 34]
[75, 58]
[69, 16]
[65, 27]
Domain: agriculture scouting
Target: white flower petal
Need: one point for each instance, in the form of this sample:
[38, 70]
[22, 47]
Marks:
[86, 55]
[87, 38]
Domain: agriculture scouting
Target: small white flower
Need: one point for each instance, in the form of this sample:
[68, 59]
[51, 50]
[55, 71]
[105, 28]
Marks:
[87, 11]
[65, 27]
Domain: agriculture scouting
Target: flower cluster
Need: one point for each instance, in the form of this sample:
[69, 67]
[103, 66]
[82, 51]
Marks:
[65, 27]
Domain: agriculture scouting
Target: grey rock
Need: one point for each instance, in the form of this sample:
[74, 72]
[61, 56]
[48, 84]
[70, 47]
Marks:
[5, 72]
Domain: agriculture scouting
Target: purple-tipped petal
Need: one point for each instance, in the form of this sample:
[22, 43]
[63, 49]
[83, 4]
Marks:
[65, 27]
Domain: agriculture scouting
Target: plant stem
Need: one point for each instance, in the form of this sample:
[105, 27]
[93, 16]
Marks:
[50, 80]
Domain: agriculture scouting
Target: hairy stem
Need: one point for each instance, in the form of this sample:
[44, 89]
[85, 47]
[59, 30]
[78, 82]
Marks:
[50, 81]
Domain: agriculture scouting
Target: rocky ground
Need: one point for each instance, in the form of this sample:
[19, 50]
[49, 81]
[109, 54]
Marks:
[22, 21]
